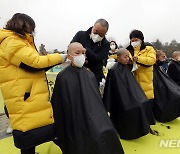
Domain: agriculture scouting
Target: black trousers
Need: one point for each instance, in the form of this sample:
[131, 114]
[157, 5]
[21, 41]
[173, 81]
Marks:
[28, 151]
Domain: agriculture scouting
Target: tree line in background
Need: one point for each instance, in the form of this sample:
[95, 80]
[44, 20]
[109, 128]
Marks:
[167, 47]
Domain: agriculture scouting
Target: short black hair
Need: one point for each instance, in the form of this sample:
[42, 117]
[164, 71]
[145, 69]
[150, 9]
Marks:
[137, 34]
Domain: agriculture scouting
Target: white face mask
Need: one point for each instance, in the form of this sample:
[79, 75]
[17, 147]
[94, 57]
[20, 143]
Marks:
[112, 47]
[136, 44]
[79, 61]
[96, 37]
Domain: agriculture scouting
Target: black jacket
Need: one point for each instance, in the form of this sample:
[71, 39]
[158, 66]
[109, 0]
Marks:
[96, 53]
[174, 71]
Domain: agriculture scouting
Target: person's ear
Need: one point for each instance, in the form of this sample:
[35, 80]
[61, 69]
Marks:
[69, 57]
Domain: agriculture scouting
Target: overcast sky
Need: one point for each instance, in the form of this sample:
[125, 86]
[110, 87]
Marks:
[57, 21]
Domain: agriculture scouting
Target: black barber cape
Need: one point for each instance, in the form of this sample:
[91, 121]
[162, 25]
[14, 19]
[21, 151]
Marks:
[82, 123]
[167, 96]
[126, 102]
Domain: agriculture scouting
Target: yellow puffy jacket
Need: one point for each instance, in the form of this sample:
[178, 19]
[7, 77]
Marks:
[23, 81]
[112, 55]
[144, 73]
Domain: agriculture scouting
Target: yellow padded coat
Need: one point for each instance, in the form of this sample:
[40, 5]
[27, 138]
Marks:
[25, 93]
[144, 74]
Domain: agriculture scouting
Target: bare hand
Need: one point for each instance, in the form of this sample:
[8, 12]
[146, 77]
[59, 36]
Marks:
[135, 58]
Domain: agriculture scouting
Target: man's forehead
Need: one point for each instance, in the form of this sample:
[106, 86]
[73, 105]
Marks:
[100, 28]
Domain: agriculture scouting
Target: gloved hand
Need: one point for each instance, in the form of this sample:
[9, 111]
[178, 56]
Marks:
[101, 86]
[110, 63]
[64, 57]
[102, 83]
[135, 67]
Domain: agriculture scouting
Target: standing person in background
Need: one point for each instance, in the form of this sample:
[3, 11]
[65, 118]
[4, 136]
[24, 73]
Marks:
[24, 85]
[97, 47]
[144, 56]
[112, 57]
[113, 50]
[174, 67]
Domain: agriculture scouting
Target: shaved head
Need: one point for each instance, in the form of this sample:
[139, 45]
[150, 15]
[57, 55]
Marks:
[75, 49]
[175, 54]
[160, 55]
[73, 46]
[123, 56]
[121, 51]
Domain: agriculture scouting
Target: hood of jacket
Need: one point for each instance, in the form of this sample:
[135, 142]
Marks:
[4, 33]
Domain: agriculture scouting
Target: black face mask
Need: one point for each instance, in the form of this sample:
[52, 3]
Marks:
[160, 62]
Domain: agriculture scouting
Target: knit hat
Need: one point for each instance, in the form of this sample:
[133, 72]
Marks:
[137, 34]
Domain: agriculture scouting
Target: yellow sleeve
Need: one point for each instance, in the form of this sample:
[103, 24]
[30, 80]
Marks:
[149, 58]
[17, 52]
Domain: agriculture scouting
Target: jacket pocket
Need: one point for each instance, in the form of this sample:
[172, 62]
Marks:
[26, 95]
